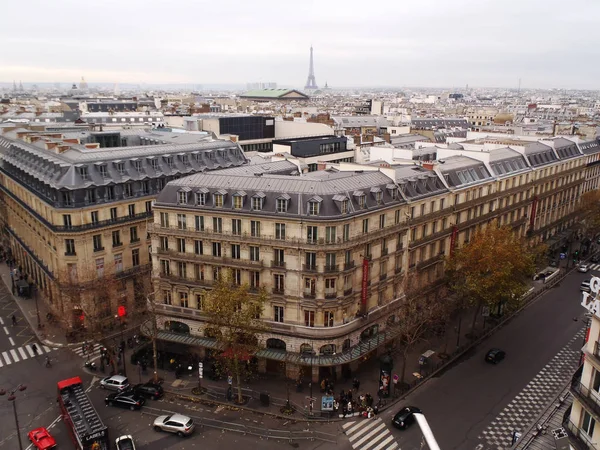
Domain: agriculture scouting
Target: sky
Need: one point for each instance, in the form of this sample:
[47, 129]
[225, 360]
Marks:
[419, 43]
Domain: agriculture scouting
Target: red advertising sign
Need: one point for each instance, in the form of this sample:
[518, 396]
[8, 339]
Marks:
[453, 237]
[365, 283]
[533, 212]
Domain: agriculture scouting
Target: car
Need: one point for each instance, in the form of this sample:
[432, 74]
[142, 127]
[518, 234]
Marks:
[126, 399]
[583, 268]
[125, 442]
[175, 423]
[41, 439]
[149, 390]
[495, 355]
[405, 417]
[585, 286]
[115, 383]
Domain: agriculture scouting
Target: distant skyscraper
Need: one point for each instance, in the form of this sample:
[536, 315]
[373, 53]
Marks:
[311, 83]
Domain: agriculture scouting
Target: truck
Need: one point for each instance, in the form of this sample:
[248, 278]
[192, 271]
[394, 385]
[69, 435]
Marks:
[79, 415]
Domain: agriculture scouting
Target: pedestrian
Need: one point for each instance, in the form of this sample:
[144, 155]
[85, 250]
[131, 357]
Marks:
[34, 348]
[14, 320]
[48, 363]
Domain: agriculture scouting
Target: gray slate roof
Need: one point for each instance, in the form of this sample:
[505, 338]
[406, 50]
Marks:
[461, 171]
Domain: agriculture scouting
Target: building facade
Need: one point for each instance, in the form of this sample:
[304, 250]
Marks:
[73, 212]
[335, 248]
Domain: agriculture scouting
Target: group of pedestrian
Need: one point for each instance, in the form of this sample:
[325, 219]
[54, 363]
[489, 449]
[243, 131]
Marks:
[327, 386]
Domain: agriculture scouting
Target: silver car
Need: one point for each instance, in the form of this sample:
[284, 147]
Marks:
[583, 268]
[175, 423]
[117, 383]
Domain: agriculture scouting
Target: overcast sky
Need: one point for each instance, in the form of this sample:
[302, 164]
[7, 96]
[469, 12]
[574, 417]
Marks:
[446, 43]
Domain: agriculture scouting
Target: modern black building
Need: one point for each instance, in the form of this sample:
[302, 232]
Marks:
[313, 145]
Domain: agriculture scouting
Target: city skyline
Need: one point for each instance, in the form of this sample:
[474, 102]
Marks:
[427, 44]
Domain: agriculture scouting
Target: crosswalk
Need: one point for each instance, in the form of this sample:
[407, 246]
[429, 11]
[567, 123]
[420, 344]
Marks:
[21, 354]
[370, 434]
[93, 354]
[594, 266]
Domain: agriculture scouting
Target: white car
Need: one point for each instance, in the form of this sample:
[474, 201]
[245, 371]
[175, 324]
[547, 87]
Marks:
[583, 268]
[116, 383]
[125, 442]
[175, 423]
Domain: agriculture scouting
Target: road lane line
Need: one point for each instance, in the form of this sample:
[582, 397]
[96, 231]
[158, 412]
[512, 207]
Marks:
[30, 350]
[15, 356]
[1, 363]
[6, 358]
[364, 429]
[12, 342]
[1, 321]
[22, 353]
[371, 434]
[6, 331]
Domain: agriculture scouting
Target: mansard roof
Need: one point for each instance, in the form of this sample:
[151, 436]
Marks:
[461, 171]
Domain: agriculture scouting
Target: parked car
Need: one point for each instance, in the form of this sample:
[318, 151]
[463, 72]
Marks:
[115, 383]
[176, 423]
[495, 355]
[127, 399]
[405, 417]
[583, 268]
[585, 286]
[149, 390]
[41, 439]
[125, 443]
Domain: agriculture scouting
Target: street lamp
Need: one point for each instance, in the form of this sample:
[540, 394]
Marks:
[12, 398]
[121, 312]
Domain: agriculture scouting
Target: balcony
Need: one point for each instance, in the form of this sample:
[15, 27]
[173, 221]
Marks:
[178, 311]
[278, 264]
[430, 261]
[309, 268]
[209, 259]
[348, 291]
[578, 438]
[310, 295]
[332, 269]
[278, 291]
[330, 294]
[384, 251]
[588, 397]
[98, 249]
[349, 265]
[383, 276]
[182, 280]
[398, 270]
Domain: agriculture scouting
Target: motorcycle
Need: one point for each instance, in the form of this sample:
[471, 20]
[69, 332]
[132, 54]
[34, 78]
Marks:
[90, 365]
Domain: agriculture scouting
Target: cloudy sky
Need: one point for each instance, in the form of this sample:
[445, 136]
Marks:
[446, 43]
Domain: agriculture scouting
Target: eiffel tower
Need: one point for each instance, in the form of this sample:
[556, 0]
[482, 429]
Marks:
[311, 83]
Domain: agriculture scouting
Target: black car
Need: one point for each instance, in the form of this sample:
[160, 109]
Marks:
[149, 390]
[127, 399]
[494, 356]
[405, 417]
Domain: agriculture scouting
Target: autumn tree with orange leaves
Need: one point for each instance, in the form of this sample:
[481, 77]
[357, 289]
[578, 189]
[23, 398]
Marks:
[493, 269]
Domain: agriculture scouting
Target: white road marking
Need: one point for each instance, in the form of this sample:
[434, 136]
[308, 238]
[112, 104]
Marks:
[1, 321]
[6, 358]
[22, 353]
[386, 442]
[370, 435]
[15, 356]
[12, 342]
[364, 429]
[30, 350]
[6, 331]
[1, 363]
[47, 349]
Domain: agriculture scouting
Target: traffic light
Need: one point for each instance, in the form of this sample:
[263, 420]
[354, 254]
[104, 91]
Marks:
[121, 311]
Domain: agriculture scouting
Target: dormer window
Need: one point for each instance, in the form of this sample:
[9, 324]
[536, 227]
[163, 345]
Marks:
[314, 205]
[120, 168]
[198, 157]
[219, 198]
[138, 165]
[377, 194]
[127, 190]
[201, 197]
[361, 199]
[83, 172]
[154, 164]
[103, 171]
[185, 160]
[258, 201]
[393, 190]
[342, 202]
[238, 200]
[344, 206]
[282, 203]
[169, 160]
[182, 196]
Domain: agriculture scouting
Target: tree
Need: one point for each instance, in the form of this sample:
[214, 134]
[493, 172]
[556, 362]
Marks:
[492, 270]
[589, 213]
[416, 317]
[235, 313]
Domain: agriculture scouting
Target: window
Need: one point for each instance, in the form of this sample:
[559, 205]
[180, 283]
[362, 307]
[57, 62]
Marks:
[182, 269]
[169, 160]
[103, 171]
[97, 240]
[83, 172]
[118, 262]
[116, 238]
[110, 192]
[588, 423]
[309, 318]
[279, 257]
[346, 233]
[365, 226]
[164, 242]
[254, 279]
[218, 200]
[344, 206]
[135, 257]
[164, 220]
[133, 234]
[69, 246]
[166, 295]
[145, 185]
[378, 197]
[235, 251]
[100, 267]
[397, 217]
[281, 204]
[254, 228]
[198, 247]
[313, 208]
[382, 221]
[236, 227]
[311, 234]
[280, 231]
[200, 198]
[200, 301]
[160, 184]
[217, 224]
[67, 221]
[257, 203]
[182, 221]
[181, 245]
[330, 233]
[236, 276]
[183, 299]
[328, 318]
[310, 260]
[94, 216]
[165, 267]
[442, 203]
[330, 261]
[238, 202]
[362, 201]
[131, 210]
[154, 164]
[254, 253]
[199, 272]
[216, 249]
[278, 282]
[67, 199]
[120, 168]
[127, 190]
[199, 223]
[278, 313]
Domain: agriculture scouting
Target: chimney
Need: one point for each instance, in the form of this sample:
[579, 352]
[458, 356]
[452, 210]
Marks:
[321, 166]
[429, 165]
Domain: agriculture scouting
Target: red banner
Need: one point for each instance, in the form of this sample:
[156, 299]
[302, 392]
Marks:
[365, 283]
[533, 212]
[453, 237]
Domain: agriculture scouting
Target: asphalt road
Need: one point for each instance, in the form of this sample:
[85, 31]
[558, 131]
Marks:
[467, 399]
